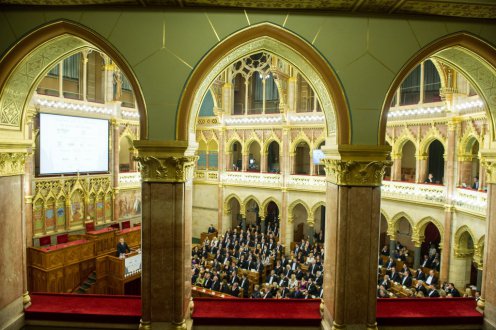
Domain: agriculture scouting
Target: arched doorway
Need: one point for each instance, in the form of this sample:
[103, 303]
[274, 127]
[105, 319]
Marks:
[254, 157]
[236, 161]
[273, 165]
[302, 161]
[408, 162]
[300, 223]
[463, 271]
[436, 161]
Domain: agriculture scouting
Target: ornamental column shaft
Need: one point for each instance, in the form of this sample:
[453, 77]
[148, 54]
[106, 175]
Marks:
[488, 291]
[354, 175]
[396, 167]
[449, 180]
[166, 233]
[422, 170]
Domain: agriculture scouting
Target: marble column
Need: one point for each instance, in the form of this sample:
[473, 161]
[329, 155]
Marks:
[289, 238]
[243, 222]
[449, 179]
[396, 167]
[479, 278]
[262, 224]
[354, 175]
[13, 272]
[417, 254]
[167, 175]
[422, 170]
[311, 231]
[263, 161]
[392, 245]
[488, 291]
[292, 82]
[245, 161]
[465, 170]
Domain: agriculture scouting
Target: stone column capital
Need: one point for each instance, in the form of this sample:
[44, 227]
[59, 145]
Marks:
[165, 161]
[12, 162]
[356, 165]
[490, 165]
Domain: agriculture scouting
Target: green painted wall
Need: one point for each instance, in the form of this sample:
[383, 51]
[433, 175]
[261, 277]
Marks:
[162, 47]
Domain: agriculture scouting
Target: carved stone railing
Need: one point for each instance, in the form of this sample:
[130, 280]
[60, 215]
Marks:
[433, 194]
[472, 201]
[205, 175]
[307, 182]
[131, 179]
[67, 104]
[252, 179]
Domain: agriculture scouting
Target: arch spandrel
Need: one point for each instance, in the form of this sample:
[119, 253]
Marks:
[286, 45]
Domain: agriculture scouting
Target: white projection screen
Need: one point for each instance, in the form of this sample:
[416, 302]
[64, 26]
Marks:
[73, 144]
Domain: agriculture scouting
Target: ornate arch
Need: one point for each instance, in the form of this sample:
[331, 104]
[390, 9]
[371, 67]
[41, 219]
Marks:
[464, 143]
[39, 51]
[393, 224]
[293, 205]
[253, 138]
[265, 204]
[419, 230]
[272, 138]
[227, 201]
[277, 40]
[232, 140]
[461, 249]
[247, 200]
[397, 146]
[432, 134]
[466, 53]
[301, 137]
[479, 252]
[316, 206]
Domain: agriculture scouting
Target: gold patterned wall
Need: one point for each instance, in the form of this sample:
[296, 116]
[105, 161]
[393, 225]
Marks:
[66, 203]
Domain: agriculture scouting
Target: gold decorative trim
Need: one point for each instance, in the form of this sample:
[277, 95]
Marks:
[12, 163]
[165, 161]
[26, 299]
[145, 325]
[490, 167]
[355, 173]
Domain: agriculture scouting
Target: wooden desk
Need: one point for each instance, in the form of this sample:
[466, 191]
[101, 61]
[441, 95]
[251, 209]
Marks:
[111, 277]
[104, 240]
[197, 291]
[204, 236]
[132, 236]
[60, 268]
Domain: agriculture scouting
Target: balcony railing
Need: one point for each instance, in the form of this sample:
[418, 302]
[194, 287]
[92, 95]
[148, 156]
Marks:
[204, 175]
[131, 179]
[307, 182]
[470, 200]
[254, 179]
[413, 191]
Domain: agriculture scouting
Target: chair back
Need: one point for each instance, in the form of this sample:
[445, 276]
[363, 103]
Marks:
[62, 239]
[90, 226]
[45, 240]
[126, 224]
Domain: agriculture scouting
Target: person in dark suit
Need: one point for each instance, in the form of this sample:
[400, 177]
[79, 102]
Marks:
[431, 279]
[211, 229]
[426, 262]
[235, 290]
[430, 179]
[122, 247]
[395, 276]
[420, 275]
[256, 294]
[432, 293]
[215, 284]
[266, 294]
[245, 285]
[420, 287]
[272, 277]
[452, 290]
[407, 279]
[385, 282]
[390, 264]
[207, 283]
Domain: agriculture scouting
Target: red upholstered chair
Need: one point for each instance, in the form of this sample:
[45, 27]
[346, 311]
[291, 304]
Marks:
[126, 224]
[115, 226]
[90, 226]
[62, 239]
[45, 241]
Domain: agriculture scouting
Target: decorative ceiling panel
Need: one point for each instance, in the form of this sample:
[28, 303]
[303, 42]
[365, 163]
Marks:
[453, 8]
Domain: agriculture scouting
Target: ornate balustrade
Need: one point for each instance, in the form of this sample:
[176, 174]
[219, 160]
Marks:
[252, 179]
[131, 179]
[205, 175]
[470, 201]
[306, 182]
[433, 194]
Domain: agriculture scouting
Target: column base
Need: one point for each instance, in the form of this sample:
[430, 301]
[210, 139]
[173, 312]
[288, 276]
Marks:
[184, 325]
[26, 300]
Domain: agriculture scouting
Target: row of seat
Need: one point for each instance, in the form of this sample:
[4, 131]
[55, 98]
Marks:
[89, 226]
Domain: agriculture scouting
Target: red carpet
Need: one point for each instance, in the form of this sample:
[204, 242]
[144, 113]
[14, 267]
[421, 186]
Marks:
[427, 311]
[297, 312]
[84, 308]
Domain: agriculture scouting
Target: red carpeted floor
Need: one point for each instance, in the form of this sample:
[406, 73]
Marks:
[84, 308]
[297, 312]
[427, 311]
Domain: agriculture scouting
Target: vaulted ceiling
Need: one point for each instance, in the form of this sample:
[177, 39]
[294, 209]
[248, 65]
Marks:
[451, 8]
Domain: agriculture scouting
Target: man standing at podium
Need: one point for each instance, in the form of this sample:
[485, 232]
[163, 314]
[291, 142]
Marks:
[122, 247]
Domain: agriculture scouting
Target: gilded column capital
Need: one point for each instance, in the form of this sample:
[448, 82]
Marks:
[490, 166]
[165, 161]
[396, 156]
[12, 163]
[356, 165]
[355, 173]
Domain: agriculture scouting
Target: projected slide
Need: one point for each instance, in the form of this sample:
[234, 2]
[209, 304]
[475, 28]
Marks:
[73, 144]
